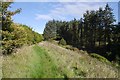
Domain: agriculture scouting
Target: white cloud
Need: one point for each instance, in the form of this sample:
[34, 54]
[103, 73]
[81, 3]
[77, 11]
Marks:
[43, 17]
[74, 10]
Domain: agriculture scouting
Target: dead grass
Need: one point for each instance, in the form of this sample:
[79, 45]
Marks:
[53, 61]
[17, 64]
[29, 62]
[78, 64]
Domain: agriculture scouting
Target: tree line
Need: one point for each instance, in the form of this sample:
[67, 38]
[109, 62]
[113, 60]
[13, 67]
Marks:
[14, 35]
[95, 32]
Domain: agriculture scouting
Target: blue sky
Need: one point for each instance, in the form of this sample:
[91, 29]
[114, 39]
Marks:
[36, 14]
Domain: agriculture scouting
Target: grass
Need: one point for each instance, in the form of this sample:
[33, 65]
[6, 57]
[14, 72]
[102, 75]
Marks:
[100, 58]
[78, 64]
[48, 60]
[29, 62]
[45, 68]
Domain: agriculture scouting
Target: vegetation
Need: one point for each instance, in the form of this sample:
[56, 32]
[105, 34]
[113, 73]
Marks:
[53, 61]
[95, 32]
[29, 63]
[15, 35]
[62, 42]
[74, 64]
[100, 58]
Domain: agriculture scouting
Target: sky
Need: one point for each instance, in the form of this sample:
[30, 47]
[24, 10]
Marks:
[119, 11]
[36, 14]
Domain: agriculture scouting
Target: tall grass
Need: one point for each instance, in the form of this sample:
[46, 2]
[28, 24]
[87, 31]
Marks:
[29, 62]
[52, 61]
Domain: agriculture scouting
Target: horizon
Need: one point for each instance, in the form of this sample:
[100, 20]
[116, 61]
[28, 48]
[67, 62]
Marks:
[37, 14]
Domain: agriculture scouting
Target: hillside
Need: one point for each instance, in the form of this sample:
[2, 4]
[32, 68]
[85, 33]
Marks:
[85, 43]
[48, 60]
[78, 64]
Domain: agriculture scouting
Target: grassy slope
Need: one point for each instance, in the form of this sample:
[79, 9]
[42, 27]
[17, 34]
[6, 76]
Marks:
[50, 60]
[78, 63]
[1, 64]
[30, 62]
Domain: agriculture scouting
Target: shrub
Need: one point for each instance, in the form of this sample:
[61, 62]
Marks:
[62, 42]
[100, 58]
[21, 35]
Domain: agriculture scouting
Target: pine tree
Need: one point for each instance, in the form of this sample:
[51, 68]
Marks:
[6, 15]
[108, 21]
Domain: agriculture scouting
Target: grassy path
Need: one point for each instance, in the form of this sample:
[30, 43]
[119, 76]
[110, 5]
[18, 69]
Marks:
[29, 62]
[46, 66]
[47, 60]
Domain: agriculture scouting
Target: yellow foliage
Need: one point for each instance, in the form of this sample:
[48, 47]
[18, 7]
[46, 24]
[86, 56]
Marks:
[20, 35]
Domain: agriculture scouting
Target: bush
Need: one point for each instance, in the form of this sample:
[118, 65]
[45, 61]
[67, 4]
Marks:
[100, 58]
[62, 42]
[21, 35]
